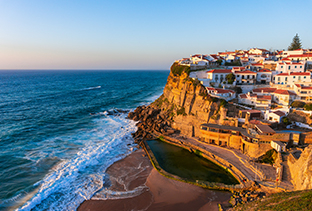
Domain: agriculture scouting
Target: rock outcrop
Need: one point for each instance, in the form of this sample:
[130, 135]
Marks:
[301, 169]
[183, 107]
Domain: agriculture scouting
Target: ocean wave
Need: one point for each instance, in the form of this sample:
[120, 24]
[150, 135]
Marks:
[74, 180]
[90, 88]
[109, 194]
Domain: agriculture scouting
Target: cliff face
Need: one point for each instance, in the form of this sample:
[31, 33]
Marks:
[188, 104]
[183, 107]
[301, 170]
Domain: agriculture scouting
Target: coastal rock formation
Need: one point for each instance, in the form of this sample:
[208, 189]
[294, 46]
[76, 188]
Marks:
[183, 107]
[301, 169]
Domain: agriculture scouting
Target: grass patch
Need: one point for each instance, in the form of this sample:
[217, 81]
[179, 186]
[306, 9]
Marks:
[296, 200]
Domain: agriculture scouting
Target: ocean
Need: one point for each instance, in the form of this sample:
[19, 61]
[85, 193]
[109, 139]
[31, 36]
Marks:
[60, 131]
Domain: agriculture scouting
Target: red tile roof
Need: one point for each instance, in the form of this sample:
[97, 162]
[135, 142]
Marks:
[283, 74]
[219, 71]
[253, 111]
[307, 74]
[283, 92]
[279, 113]
[264, 70]
[257, 64]
[245, 72]
[244, 96]
[301, 55]
[264, 97]
[265, 90]
[307, 87]
[224, 90]
[255, 122]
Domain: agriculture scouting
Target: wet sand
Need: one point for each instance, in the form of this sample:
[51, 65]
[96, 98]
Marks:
[155, 191]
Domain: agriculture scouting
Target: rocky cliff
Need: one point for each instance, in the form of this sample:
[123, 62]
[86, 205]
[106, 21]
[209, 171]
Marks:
[183, 107]
[301, 169]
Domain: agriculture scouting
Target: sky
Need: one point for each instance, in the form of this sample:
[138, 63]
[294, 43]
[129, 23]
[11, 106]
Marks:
[142, 35]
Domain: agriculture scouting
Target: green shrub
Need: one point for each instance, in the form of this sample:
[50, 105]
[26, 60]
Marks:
[308, 106]
[269, 157]
[181, 111]
[286, 121]
[223, 102]
[177, 69]
[298, 104]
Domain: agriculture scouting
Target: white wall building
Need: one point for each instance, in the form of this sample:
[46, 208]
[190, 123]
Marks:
[284, 97]
[245, 77]
[221, 93]
[292, 78]
[289, 66]
[218, 75]
[264, 76]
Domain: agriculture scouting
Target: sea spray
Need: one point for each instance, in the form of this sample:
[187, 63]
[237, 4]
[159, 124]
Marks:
[77, 179]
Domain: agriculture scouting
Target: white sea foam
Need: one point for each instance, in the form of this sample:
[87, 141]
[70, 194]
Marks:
[76, 179]
[95, 87]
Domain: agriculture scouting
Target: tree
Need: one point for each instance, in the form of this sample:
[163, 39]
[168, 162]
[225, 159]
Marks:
[298, 104]
[308, 107]
[230, 78]
[286, 121]
[238, 90]
[296, 43]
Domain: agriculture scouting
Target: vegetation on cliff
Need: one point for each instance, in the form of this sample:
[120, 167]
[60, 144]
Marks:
[177, 69]
[297, 200]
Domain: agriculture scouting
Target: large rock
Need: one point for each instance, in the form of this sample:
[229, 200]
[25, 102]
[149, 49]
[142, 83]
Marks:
[301, 169]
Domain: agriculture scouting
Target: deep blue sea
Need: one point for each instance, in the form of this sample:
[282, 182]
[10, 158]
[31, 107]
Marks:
[60, 130]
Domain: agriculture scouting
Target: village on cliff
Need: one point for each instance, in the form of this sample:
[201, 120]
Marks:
[267, 84]
[273, 91]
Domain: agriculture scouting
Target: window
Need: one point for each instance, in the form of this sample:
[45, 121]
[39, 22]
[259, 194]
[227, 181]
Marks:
[237, 76]
[304, 76]
[299, 77]
[295, 66]
[282, 66]
[285, 78]
[294, 77]
[247, 76]
[278, 78]
[300, 66]
[288, 67]
[242, 76]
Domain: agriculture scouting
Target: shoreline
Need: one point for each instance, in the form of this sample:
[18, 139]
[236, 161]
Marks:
[151, 190]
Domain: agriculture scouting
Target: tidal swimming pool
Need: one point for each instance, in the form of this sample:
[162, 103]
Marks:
[181, 162]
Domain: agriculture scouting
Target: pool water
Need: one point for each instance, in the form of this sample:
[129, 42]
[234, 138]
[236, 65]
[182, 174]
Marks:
[181, 162]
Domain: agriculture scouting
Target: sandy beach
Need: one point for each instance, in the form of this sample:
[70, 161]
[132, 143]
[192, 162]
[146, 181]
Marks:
[140, 187]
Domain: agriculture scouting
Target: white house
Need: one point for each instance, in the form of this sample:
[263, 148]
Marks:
[284, 97]
[264, 91]
[259, 101]
[218, 75]
[304, 93]
[221, 93]
[291, 78]
[275, 116]
[278, 146]
[258, 51]
[256, 66]
[264, 76]
[245, 77]
[287, 66]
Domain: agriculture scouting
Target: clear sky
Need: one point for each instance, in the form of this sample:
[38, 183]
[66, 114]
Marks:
[120, 34]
